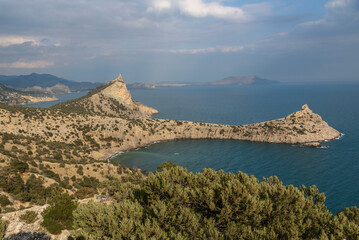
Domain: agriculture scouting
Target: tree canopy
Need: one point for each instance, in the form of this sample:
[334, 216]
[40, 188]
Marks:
[177, 204]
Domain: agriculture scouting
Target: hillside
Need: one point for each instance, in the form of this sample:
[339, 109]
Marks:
[11, 96]
[108, 116]
[68, 147]
[44, 81]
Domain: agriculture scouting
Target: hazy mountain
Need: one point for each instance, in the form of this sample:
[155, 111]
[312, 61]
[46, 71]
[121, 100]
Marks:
[233, 80]
[243, 80]
[45, 81]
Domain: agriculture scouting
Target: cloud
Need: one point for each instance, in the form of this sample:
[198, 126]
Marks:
[222, 49]
[90, 38]
[199, 9]
[6, 41]
[27, 65]
[338, 12]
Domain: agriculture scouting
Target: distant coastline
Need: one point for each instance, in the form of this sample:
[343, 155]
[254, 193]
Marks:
[233, 80]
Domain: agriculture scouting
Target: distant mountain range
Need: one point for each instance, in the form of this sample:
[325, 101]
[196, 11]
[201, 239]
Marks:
[44, 82]
[234, 80]
[50, 84]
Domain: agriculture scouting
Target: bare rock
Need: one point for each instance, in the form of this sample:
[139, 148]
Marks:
[312, 144]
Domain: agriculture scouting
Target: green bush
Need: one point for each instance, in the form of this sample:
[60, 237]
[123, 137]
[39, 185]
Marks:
[58, 216]
[80, 170]
[19, 166]
[4, 201]
[3, 227]
[84, 192]
[9, 209]
[29, 217]
[177, 204]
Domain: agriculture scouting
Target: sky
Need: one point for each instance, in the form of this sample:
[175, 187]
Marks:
[155, 41]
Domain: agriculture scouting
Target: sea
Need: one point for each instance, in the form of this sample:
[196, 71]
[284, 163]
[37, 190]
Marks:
[334, 169]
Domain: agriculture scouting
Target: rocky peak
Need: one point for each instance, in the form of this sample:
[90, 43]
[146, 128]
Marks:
[117, 90]
[112, 98]
[119, 78]
[305, 107]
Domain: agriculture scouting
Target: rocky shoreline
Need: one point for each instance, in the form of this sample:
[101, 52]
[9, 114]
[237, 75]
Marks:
[108, 121]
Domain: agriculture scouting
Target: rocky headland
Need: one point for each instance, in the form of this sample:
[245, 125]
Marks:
[110, 119]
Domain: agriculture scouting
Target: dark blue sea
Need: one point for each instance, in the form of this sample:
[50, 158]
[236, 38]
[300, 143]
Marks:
[335, 170]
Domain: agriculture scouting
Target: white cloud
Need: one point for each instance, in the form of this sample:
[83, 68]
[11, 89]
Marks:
[199, 9]
[338, 12]
[222, 49]
[337, 3]
[27, 65]
[193, 51]
[161, 5]
[6, 41]
[226, 49]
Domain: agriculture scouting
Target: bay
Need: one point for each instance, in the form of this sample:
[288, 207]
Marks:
[334, 169]
[61, 98]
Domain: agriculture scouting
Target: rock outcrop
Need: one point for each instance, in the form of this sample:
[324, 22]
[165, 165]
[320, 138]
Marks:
[112, 99]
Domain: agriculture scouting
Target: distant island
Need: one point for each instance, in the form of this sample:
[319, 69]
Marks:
[233, 80]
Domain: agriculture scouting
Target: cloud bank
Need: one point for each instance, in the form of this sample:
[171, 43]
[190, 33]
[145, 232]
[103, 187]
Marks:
[158, 40]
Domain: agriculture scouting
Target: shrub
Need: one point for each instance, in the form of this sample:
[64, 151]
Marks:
[4, 201]
[3, 227]
[80, 170]
[29, 217]
[28, 236]
[177, 204]
[58, 216]
[19, 166]
[84, 192]
[9, 209]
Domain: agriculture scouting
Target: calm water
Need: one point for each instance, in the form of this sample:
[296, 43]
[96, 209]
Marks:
[61, 97]
[334, 170]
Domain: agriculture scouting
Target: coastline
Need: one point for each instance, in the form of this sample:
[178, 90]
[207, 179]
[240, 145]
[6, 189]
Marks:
[298, 144]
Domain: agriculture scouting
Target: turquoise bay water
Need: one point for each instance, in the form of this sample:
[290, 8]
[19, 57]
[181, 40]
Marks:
[334, 169]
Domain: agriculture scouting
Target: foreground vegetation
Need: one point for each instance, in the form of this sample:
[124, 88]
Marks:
[177, 204]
